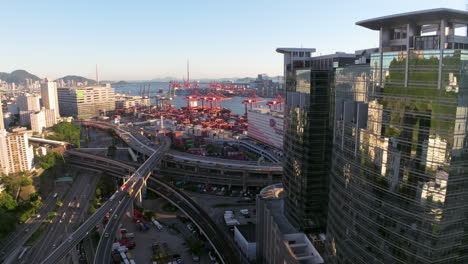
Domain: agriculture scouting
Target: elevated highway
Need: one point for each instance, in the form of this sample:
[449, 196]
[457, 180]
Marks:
[129, 190]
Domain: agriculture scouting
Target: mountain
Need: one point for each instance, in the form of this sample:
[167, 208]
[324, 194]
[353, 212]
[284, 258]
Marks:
[18, 76]
[77, 79]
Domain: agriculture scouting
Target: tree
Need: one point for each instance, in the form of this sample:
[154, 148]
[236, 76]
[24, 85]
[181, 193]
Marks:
[7, 201]
[25, 182]
[112, 151]
[98, 192]
[59, 203]
[7, 222]
[148, 214]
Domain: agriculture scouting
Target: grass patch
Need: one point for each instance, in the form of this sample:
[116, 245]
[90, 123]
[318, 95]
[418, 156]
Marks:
[152, 196]
[168, 207]
[36, 235]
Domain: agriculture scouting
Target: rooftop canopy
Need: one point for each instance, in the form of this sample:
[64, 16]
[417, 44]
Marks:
[417, 17]
[288, 50]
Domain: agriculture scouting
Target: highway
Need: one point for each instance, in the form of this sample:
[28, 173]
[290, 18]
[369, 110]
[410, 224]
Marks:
[129, 190]
[104, 248]
[69, 215]
[23, 233]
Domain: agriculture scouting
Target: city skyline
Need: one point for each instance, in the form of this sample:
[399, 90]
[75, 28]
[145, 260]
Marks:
[155, 40]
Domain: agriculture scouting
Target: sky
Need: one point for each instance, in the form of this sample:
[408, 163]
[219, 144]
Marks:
[142, 40]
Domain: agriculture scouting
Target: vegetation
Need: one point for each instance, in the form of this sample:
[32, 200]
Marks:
[168, 207]
[48, 161]
[105, 185]
[18, 76]
[152, 196]
[148, 214]
[65, 131]
[194, 246]
[112, 151]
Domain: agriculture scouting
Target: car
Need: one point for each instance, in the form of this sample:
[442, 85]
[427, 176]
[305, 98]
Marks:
[27, 230]
[179, 261]
[106, 235]
[211, 255]
[190, 227]
[195, 258]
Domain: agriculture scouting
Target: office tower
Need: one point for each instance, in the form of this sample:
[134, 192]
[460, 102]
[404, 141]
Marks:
[308, 126]
[86, 102]
[15, 153]
[398, 191]
[49, 96]
[28, 103]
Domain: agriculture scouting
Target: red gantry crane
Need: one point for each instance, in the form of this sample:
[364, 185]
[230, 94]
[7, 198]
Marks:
[275, 102]
[252, 101]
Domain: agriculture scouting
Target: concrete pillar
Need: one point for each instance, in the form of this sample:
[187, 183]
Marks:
[443, 39]
[245, 175]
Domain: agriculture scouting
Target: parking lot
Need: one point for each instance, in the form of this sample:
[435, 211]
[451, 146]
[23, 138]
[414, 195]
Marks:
[175, 237]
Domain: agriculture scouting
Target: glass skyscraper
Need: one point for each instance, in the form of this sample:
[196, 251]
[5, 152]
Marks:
[399, 174]
[308, 134]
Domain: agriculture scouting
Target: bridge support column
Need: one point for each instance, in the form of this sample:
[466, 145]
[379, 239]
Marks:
[245, 175]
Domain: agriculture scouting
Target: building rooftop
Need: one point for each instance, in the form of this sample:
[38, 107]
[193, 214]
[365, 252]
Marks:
[287, 50]
[417, 17]
[335, 55]
[272, 191]
[247, 231]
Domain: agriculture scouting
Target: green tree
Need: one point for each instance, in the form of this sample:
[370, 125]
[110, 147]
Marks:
[59, 203]
[98, 192]
[7, 222]
[25, 181]
[7, 201]
[147, 214]
[65, 131]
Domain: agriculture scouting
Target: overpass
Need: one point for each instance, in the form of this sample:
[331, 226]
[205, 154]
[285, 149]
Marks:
[122, 197]
[176, 166]
[131, 187]
[224, 247]
[48, 141]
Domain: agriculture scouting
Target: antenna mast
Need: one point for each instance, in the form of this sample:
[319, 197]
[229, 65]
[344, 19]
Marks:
[188, 71]
[97, 75]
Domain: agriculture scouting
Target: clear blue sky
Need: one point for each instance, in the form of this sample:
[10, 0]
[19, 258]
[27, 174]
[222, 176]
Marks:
[137, 40]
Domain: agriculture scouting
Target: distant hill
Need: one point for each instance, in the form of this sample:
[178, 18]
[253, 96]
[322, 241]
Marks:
[120, 83]
[18, 76]
[77, 79]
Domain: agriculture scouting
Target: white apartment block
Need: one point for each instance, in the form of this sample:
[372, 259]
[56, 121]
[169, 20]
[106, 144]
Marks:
[15, 153]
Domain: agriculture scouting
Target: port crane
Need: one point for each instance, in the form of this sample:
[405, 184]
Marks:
[252, 102]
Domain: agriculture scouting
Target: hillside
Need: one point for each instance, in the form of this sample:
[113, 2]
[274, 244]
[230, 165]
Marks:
[77, 79]
[18, 76]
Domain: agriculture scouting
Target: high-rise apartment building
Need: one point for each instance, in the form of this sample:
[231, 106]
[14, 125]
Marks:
[398, 191]
[50, 96]
[15, 153]
[42, 119]
[86, 102]
[308, 130]
[2, 123]
[28, 103]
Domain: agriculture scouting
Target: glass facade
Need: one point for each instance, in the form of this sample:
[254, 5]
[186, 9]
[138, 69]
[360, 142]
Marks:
[307, 147]
[398, 192]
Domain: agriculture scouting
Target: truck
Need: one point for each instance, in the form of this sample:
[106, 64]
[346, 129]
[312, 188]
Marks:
[157, 224]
